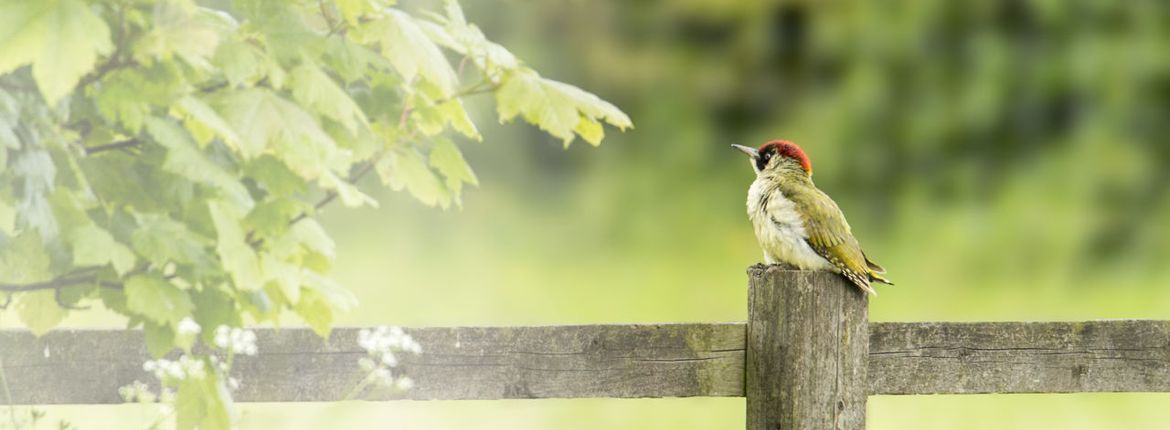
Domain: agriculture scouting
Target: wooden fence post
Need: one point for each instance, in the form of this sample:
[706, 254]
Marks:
[807, 351]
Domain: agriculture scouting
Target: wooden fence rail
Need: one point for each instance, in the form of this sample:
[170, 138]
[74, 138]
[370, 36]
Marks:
[803, 327]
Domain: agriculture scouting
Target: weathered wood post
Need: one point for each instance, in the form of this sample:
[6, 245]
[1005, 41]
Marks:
[807, 350]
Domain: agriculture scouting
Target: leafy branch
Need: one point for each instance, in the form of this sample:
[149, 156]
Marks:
[243, 125]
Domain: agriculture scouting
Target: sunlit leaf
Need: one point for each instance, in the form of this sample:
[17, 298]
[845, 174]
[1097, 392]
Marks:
[61, 38]
[195, 111]
[7, 218]
[312, 88]
[93, 246]
[406, 169]
[446, 158]
[160, 240]
[555, 107]
[157, 300]
[241, 62]
[24, 260]
[286, 275]
[185, 159]
[38, 310]
[411, 52]
[183, 29]
[268, 123]
[160, 338]
[237, 257]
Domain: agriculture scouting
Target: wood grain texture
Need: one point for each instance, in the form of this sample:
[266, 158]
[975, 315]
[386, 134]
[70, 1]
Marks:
[806, 352]
[1019, 357]
[649, 360]
[655, 360]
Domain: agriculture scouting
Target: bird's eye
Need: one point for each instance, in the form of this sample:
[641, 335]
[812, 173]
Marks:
[762, 161]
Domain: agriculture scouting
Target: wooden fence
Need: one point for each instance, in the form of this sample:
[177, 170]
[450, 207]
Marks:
[806, 359]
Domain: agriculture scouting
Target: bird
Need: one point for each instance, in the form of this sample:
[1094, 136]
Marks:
[798, 224]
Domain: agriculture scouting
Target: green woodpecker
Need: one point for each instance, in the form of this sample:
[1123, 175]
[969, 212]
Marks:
[798, 224]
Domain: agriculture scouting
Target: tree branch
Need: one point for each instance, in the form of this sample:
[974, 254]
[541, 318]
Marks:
[330, 196]
[61, 281]
[130, 143]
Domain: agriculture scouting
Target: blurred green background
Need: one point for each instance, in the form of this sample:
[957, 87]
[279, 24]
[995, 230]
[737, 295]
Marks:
[1005, 160]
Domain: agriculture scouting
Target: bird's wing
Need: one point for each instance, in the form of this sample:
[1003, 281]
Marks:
[830, 236]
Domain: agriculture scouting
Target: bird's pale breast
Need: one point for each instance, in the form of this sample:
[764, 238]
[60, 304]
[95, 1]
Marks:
[780, 228]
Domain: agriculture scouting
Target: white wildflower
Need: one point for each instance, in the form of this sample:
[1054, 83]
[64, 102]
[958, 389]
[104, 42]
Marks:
[382, 345]
[188, 326]
[389, 359]
[236, 340]
[136, 392]
[222, 336]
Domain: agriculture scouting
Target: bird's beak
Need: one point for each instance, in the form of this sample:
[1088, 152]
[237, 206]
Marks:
[747, 150]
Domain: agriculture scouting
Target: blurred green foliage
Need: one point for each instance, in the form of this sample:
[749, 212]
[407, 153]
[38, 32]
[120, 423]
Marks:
[1003, 159]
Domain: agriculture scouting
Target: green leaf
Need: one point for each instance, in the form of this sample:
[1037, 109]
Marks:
[114, 300]
[275, 177]
[432, 120]
[351, 10]
[93, 246]
[555, 107]
[312, 236]
[157, 300]
[38, 310]
[407, 169]
[321, 298]
[350, 195]
[412, 53]
[238, 258]
[73, 294]
[185, 159]
[455, 33]
[590, 105]
[195, 112]
[183, 29]
[524, 93]
[446, 158]
[270, 218]
[267, 123]
[348, 59]
[316, 312]
[160, 338]
[24, 260]
[241, 62]
[7, 218]
[590, 130]
[61, 38]
[161, 240]
[128, 96]
[340, 299]
[203, 403]
[214, 308]
[38, 172]
[286, 276]
[315, 90]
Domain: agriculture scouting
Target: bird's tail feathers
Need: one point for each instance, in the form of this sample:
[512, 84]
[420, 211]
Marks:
[873, 267]
[877, 276]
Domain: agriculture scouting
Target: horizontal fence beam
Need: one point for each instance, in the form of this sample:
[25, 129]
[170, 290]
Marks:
[622, 361]
[1019, 357]
[652, 360]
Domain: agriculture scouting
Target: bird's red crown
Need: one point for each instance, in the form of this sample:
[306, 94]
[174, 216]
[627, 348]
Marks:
[788, 149]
